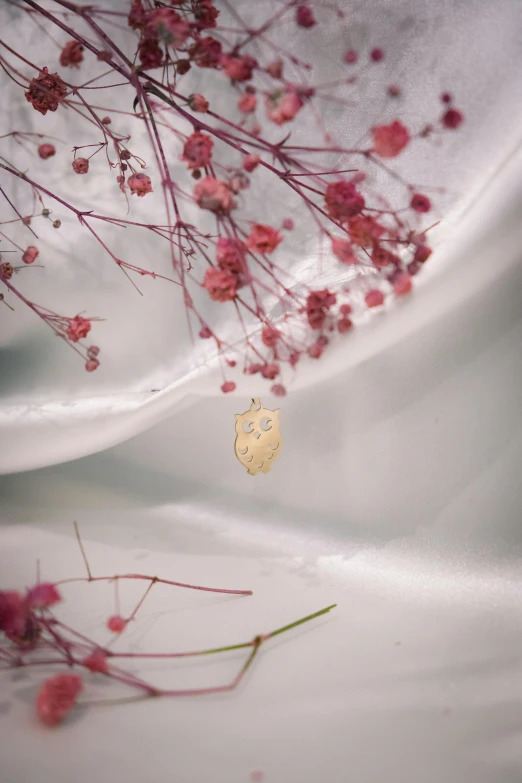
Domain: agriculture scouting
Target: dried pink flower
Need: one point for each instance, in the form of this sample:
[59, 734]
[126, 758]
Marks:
[390, 140]
[270, 371]
[30, 254]
[197, 150]
[42, 595]
[279, 390]
[364, 230]
[78, 328]
[72, 54]
[344, 325]
[91, 365]
[316, 349]
[287, 224]
[247, 104]
[57, 696]
[13, 613]
[46, 151]
[270, 336]
[96, 662]
[168, 26]
[422, 253]
[206, 52]
[343, 250]
[137, 17]
[214, 194]
[282, 105]
[401, 282]
[140, 185]
[230, 255]
[263, 238]
[205, 14]
[452, 119]
[238, 68]
[420, 203]
[80, 165]
[228, 386]
[150, 52]
[221, 285]
[251, 162]
[46, 91]
[275, 69]
[374, 298]
[304, 16]
[198, 103]
[317, 305]
[6, 270]
[343, 200]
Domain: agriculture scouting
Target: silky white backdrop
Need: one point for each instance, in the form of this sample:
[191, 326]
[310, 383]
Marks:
[397, 495]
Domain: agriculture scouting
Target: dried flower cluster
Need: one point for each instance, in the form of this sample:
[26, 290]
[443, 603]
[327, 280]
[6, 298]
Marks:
[34, 636]
[240, 258]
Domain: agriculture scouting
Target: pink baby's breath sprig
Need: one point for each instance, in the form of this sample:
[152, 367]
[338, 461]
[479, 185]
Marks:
[35, 636]
[226, 163]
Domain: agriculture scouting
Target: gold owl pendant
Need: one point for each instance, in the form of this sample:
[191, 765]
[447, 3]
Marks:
[258, 438]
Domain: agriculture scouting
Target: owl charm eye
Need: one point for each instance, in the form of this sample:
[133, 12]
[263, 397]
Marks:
[258, 438]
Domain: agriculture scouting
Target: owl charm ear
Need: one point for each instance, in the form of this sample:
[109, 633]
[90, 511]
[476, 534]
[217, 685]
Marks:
[258, 447]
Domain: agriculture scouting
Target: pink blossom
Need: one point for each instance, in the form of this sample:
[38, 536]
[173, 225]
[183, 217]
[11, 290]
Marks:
[206, 52]
[247, 104]
[344, 325]
[80, 165]
[30, 254]
[228, 386]
[422, 253]
[46, 91]
[72, 54]
[93, 351]
[343, 200]
[96, 662]
[452, 119]
[420, 203]
[198, 103]
[251, 162]
[317, 305]
[169, 26]
[13, 613]
[316, 349]
[287, 224]
[116, 624]
[91, 365]
[382, 257]
[205, 333]
[140, 185]
[343, 250]
[230, 255]
[57, 696]
[270, 371]
[151, 55]
[350, 57]
[42, 595]
[78, 328]
[6, 270]
[278, 389]
[390, 140]
[221, 285]
[239, 68]
[374, 298]
[263, 239]
[215, 195]
[282, 106]
[270, 336]
[46, 151]
[205, 14]
[345, 309]
[304, 16]
[198, 150]
[137, 16]
[364, 230]
[275, 69]
[401, 282]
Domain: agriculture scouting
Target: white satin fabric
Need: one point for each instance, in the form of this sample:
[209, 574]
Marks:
[397, 495]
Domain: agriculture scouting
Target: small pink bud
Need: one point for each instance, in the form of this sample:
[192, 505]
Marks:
[452, 119]
[228, 386]
[374, 298]
[278, 389]
[350, 57]
[251, 162]
[116, 624]
[344, 325]
[198, 103]
[420, 203]
[30, 254]
[287, 224]
[91, 365]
